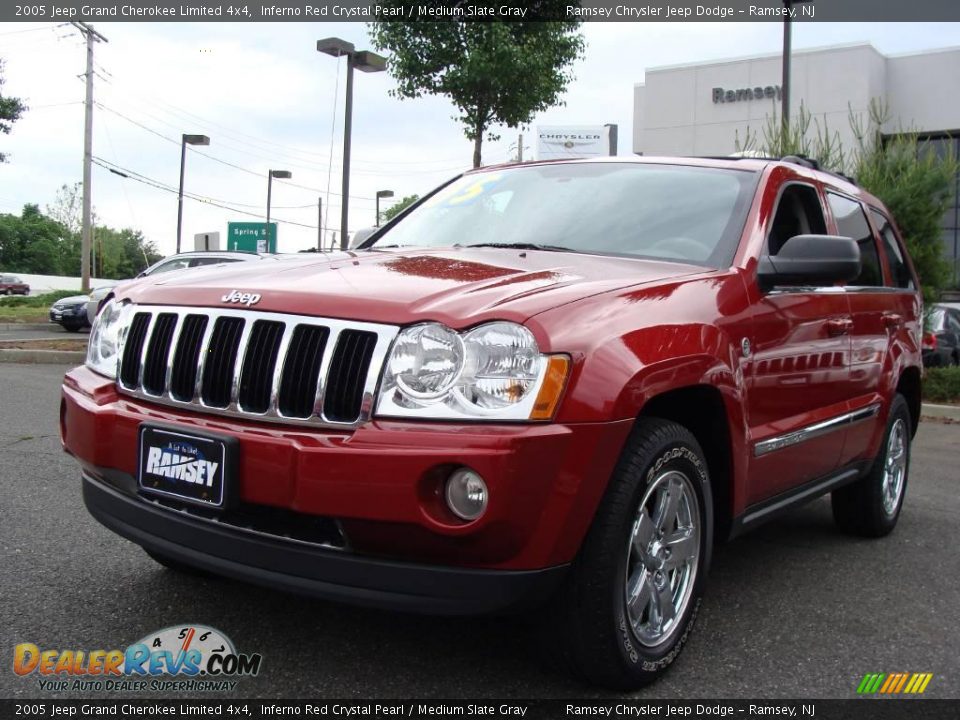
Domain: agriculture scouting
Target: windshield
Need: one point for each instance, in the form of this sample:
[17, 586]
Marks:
[665, 212]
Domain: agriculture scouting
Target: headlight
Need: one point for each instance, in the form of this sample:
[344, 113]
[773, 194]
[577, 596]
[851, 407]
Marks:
[494, 372]
[103, 351]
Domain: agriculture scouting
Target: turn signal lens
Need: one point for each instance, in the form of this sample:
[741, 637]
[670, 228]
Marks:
[558, 366]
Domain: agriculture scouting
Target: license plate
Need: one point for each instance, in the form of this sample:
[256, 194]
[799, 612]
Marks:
[191, 468]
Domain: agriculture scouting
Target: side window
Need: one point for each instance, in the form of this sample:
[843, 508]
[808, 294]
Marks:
[177, 264]
[852, 223]
[798, 213]
[953, 322]
[899, 271]
[198, 262]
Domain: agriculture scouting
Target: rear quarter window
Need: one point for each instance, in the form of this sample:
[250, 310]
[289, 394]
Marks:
[900, 274]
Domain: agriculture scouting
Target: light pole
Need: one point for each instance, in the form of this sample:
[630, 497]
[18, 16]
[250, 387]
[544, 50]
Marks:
[185, 140]
[365, 61]
[381, 194]
[280, 175]
[785, 82]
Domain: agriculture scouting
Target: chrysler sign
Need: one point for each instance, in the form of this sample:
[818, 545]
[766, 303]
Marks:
[574, 141]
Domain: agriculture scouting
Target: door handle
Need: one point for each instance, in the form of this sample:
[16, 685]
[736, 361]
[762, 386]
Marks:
[892, 320]
[839, 326]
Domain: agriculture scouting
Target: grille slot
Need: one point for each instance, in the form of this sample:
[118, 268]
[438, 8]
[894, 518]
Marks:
[264, 366]
[158, 350]
[347, 375]
[220, 362]
[133, 350]
[183, 379]
[259, 361]
[301, 371]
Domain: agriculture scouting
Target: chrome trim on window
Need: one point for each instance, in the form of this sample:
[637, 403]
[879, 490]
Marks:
[385, 336]
[813, 431]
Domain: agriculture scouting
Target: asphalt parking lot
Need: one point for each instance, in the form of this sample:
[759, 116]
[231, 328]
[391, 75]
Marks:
[794, 609]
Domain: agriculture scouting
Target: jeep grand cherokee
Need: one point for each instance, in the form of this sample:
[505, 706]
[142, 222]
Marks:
[553, 383]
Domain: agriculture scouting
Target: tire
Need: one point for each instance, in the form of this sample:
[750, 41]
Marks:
[660, 488]
[870, 507]
[176, 565]
[72, 328]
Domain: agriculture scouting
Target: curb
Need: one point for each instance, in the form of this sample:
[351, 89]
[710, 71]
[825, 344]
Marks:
[51, 357]
[27, 326]
[951, 412]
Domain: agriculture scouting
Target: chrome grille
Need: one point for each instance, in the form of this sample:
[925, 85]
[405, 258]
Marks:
[266, 366]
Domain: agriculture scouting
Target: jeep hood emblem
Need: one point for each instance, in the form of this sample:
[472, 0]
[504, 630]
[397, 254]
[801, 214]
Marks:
[241, 298]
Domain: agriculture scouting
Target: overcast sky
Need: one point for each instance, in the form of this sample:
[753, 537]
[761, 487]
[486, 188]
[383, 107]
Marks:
[268, 100]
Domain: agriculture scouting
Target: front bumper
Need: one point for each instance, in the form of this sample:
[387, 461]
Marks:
[315, 571]
[381, 485]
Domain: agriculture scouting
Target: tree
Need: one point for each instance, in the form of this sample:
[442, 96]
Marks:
[10, 111]
[391, 212]
[495, 73]
[67, 208]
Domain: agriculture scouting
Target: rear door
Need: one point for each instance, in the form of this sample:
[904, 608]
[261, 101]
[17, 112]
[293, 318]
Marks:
[884, 315]
[799, 369]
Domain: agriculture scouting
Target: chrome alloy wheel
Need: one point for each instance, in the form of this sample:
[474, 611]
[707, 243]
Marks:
[662, 557]
[894, 466]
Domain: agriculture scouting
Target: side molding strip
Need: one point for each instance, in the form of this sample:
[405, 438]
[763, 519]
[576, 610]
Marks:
[816, 430]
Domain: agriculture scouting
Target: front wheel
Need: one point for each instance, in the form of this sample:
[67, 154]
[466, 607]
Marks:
[633, 593]
[871, 506]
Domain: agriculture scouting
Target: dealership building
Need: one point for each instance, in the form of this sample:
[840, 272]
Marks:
[702, 109]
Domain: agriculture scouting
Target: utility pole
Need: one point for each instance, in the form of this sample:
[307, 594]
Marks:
[320, 224]
[520, 149]
[91, 36]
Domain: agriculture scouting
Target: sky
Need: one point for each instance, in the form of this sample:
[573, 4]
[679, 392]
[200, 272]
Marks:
[269, 100]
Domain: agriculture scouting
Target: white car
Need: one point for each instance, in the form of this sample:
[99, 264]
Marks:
[182, 261]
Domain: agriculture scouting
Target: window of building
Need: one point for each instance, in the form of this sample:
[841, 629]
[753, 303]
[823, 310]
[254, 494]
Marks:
[899, 270]
[798, 213]
[852, 223]
[944, 146]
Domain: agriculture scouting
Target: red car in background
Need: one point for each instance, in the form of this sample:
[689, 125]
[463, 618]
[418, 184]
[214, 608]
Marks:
[12, 285]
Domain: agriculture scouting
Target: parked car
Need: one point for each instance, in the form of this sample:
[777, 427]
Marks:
[71, 313]
[199, 258]
[12, 285]
[548, 386]
[941, 341]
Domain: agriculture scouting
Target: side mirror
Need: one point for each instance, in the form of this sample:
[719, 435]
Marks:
[811, 260]
[361, 236]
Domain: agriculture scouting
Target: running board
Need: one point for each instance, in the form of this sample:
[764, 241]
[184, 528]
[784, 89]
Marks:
[792, 499]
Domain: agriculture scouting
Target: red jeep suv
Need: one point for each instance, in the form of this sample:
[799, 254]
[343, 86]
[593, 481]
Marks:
[551, 383]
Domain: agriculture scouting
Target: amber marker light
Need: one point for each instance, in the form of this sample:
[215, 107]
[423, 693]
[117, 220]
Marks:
[558, 367]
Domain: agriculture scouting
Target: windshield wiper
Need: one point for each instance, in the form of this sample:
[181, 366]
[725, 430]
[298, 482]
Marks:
[521, 246]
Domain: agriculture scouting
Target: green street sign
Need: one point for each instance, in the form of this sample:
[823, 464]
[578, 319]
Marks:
[251, 237]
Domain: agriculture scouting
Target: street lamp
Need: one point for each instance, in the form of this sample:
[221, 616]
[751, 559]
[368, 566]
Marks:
[185, 140]
[785, 83]
[365, 61]
[381, 194]
[280, 175]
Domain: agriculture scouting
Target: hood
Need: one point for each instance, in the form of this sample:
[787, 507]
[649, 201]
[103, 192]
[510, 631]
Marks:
[456, 286]
[73, 300]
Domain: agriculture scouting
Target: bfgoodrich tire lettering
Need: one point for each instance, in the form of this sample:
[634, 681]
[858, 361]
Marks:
[633, 594]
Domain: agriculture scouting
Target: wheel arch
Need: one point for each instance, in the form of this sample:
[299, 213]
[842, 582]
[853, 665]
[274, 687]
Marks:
[909, 385]
[701, 409]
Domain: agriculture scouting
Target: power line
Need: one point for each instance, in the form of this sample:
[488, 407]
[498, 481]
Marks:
[156, 184]
[213, 157]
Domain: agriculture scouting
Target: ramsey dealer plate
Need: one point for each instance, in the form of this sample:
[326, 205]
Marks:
[193, 468]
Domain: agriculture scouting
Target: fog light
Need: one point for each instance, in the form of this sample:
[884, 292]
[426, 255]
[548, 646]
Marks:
[466, 494]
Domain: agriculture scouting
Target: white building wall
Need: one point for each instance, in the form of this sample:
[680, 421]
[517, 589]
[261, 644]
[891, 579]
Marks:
[675, 114]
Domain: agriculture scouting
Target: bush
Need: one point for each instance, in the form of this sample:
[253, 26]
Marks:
[35, 301]
[942, 385]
